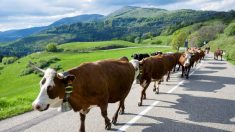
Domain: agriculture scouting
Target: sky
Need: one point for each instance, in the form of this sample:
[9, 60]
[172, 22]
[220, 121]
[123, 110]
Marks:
[19, 14]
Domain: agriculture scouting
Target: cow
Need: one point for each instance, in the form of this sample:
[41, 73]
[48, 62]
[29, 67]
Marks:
[177, 56]
[93, 84]
[217, 53]
[207, 50]
[151, 69]
[170, 62]
[139, 57]
[186, 61]
[156, 53]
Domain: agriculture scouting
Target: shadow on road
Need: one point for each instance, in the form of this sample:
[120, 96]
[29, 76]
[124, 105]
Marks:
[170, 125]
[216, 68]
[205, 72]
[217, 63]
[207, 83]
[205, 109]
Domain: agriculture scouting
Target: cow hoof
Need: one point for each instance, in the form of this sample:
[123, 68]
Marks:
[114, 121]
[139, 104]
[121, 112]
[154, 89]
[186, 77]
[108, 126]
[157, 92]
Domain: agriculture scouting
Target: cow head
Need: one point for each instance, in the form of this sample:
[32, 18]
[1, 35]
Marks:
[135, 64]
[52, 89]
[187, 57]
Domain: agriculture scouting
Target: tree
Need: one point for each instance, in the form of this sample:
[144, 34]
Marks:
[51, 48]
[178, 40]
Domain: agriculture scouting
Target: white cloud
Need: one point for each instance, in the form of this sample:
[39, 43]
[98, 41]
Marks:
[26, 13]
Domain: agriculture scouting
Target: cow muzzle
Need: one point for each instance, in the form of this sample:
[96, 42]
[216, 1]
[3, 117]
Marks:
[40, 107]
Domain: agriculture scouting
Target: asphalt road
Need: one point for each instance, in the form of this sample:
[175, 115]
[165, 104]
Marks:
[204, 103]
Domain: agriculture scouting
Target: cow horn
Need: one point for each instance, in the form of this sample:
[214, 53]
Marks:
[35, 67]
[62, 75]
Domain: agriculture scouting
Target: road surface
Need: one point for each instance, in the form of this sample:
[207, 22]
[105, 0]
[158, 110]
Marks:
[204, 103]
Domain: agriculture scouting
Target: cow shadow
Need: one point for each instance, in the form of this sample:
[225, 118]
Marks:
[205, 72]
[205, 109]
[207, 83]
[162, 124]
[170, 125]
[215, 68]
[217, 63]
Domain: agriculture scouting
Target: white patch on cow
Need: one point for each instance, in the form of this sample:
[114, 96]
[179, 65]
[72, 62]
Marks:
[86, 111]
[135, 64]
[188, 57]
[43, 99]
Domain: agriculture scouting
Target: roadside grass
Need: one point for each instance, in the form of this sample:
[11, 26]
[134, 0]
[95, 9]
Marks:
[226, 43]
[17, 92]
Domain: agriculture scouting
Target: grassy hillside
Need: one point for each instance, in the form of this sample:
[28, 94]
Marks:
[226, 43]
[159, 40]
[17, 92]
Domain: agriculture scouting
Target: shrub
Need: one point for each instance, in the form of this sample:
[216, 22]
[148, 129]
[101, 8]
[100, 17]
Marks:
[8, 60]
[41, 64]
[230, 30]
[51, 48]
[157, 42]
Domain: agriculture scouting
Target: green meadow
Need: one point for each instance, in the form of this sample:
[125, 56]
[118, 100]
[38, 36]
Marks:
[18, 92]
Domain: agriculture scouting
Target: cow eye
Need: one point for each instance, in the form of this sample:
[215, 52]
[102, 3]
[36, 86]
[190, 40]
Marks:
[43, 81]
[50, 92]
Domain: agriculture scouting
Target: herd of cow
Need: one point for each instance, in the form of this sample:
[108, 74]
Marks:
[109, 81]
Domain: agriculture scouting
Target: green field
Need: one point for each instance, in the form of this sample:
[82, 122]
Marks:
[93, 46]
[159, 40]
[17, 92]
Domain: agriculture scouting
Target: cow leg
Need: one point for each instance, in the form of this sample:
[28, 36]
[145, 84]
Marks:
[104, 113]
[174, 67]
[122, 110]
[168, 76]
[143, 92]
[114, 120]
[187, 76]
[157, 92]
[183, 69]
[178, 68]
[144, 85]
[154, 86]
[221, 57]
[82, 119]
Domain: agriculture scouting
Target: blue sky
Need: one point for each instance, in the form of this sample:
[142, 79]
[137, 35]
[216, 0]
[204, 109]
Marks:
[18, 14]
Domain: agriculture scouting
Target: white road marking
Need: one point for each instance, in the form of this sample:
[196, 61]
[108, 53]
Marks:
[136, 118]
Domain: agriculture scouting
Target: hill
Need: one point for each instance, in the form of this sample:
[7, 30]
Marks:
[12, 35]
[80, 18]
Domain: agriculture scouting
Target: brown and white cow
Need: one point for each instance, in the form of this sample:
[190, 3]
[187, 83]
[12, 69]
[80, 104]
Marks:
[152, 69]
[218, 53]
[186, 61]
[94, 84]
